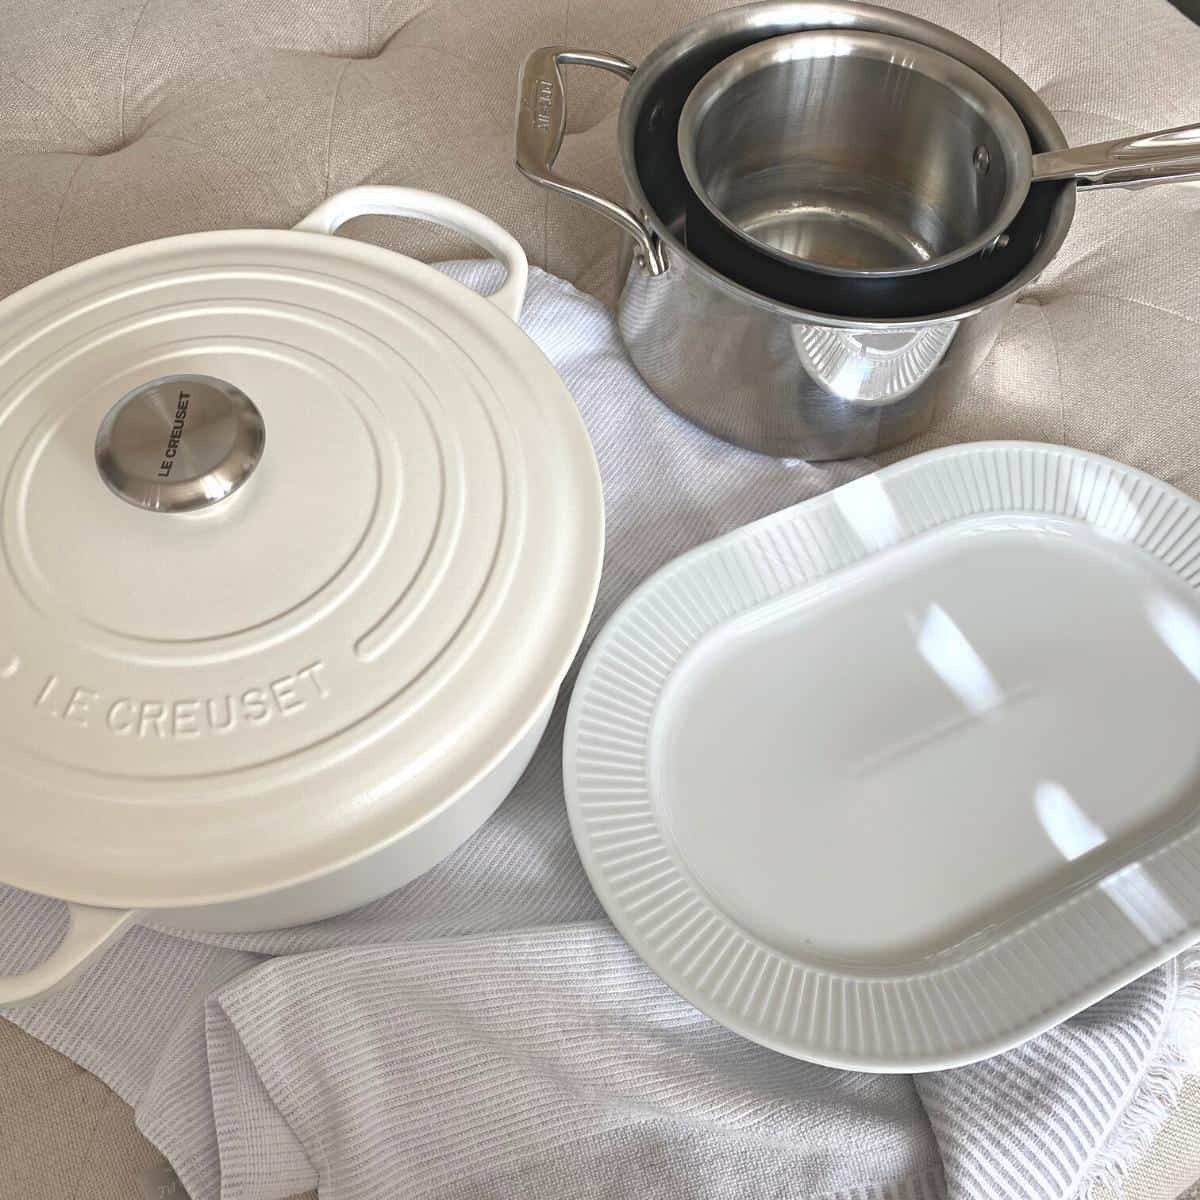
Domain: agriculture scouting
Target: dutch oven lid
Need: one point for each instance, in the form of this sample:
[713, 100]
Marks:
[299, 538]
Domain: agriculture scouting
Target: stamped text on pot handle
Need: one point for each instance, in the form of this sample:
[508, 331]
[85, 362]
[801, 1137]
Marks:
[89, 930]
[541, 122]
[380, 199]
[1139, 161]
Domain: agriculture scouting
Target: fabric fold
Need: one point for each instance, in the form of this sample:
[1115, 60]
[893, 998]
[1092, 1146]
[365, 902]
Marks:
[547, 1056]
[260, 1156]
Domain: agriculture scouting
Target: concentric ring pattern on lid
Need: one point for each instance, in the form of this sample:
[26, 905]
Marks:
[214, 702]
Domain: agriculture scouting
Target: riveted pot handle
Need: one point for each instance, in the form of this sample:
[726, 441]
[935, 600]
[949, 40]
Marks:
[1129, 162]
[89, 930]
[383, 200]
[541, 122]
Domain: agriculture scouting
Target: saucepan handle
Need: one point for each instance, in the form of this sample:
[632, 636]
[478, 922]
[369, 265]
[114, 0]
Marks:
[384, 200]
[89, 930]
[541, 122]
[1129, 162]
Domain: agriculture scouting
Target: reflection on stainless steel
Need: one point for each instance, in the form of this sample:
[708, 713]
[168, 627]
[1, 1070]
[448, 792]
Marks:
[854, 152]
[1128, 162]
[745, 372]
[755, 370]
[180, 443]
[870, 365]
[1130, 888]
[1179, 630]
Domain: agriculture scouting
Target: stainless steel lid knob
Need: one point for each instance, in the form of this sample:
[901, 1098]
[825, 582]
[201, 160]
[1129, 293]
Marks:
[180, 443]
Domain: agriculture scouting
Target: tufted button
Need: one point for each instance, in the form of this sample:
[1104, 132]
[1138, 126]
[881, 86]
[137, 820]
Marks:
[379, 45]
[355, 55]
[108, 149]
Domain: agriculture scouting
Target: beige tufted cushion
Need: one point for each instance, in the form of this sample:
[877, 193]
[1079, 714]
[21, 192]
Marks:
[123, 120]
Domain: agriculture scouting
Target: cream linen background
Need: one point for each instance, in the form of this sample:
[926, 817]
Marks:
[121, 122]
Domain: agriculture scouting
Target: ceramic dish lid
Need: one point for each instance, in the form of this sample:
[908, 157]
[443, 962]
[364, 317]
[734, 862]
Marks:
[901, 776]
[299, 538]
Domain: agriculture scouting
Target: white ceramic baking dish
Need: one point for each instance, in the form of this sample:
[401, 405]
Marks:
[901, 776]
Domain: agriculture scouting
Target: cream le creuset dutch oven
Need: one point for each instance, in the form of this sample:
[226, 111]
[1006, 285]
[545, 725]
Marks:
[299, 539]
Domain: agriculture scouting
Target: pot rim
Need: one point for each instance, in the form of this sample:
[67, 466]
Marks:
[969, 88]
[838, 14]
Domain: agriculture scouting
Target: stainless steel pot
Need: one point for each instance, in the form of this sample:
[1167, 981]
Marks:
[853, 152]
[856, 153]
[752, 369]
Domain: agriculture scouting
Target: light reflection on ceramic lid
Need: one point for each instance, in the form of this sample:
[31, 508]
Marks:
[927, 739]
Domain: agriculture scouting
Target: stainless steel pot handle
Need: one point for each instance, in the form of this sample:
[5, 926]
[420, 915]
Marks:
[541, 122]
[1130, 162]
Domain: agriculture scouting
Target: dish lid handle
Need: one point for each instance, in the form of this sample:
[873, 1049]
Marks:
[384, 200]
[89, 929]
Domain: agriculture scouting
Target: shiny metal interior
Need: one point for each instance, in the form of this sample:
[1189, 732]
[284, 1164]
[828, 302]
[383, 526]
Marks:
[854, 152]
[687, 233]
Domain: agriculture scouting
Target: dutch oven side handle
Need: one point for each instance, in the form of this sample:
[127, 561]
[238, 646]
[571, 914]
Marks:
[89, 930]
[386, 200]
[541, 122]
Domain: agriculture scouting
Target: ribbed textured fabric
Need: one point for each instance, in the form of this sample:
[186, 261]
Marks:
[484, 1031]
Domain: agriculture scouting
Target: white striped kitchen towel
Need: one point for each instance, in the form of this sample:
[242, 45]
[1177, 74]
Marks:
[484, 1032]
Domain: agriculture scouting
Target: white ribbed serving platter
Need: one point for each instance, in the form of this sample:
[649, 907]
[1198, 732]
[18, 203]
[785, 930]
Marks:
[906, 774]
